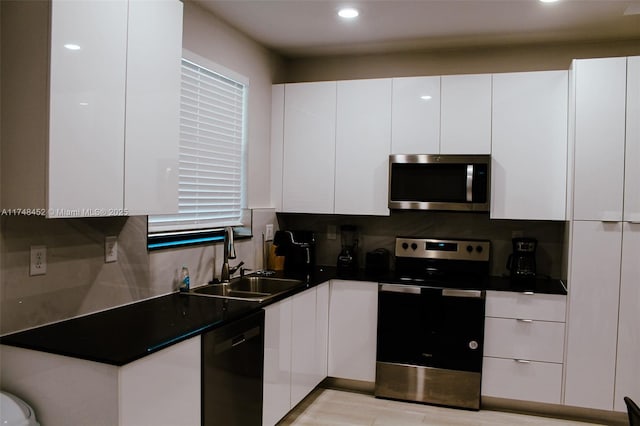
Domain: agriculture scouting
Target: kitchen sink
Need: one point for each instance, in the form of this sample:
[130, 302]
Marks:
[256, 288]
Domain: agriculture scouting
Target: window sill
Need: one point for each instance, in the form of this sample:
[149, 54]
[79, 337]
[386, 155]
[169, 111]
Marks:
[164, 241]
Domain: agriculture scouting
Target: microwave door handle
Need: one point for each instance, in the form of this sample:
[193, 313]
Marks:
[470, 183]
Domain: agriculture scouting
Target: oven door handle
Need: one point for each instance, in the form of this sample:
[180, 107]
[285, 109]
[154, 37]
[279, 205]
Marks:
[399, 288]
[452, 292]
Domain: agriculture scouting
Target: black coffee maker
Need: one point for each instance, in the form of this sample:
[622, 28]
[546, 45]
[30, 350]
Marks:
[522, 262]
[298, 249]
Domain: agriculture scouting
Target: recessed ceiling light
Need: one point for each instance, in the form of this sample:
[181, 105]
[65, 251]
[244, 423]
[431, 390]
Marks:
[348, 13]
[72, 46]
[548, 1]
[425, 97]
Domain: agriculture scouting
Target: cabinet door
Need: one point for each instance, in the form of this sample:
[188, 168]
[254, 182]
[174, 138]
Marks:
[309, 147]
[594, 286]
[304, 345]
[321, 333]
[153, 107]
[162, 388]
[465, 121]
[632, 150]
[523, 380]
[87, 107]
[415, 127]
[276, 395]
[600, 92]
[277, 140]
[353, 316]
[363, 144]
[628, 364]
[529, 146]
[538, 306]
[524, 339]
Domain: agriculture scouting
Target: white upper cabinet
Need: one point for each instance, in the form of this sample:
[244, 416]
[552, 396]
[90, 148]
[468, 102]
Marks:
[416, 115]
[87, 105]
[529, 146]
[363, 143]
[600, 94]
[153, 107]
[465, 120]
[309, 147]
[632, 150]
[102, 138]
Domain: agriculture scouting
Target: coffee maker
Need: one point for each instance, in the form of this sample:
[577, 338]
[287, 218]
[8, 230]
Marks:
[298, 249]
[348, 257]
[522, 262]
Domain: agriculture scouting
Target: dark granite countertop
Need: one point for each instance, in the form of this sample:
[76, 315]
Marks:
[124, 334]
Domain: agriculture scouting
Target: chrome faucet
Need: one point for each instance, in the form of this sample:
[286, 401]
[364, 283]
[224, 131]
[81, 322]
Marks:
[229, 253]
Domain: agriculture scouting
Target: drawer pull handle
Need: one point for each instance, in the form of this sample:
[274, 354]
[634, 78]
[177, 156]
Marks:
[525, 320]
[522, 361]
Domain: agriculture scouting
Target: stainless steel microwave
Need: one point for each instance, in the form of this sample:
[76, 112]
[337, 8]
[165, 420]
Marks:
[439, 182]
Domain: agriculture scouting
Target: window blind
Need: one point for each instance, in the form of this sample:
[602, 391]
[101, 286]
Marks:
[211, 179]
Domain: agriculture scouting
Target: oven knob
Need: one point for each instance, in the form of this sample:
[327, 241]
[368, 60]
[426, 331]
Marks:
[479, 249]
[469, 249]
[414, 246]
[405, 246]
[473, 345]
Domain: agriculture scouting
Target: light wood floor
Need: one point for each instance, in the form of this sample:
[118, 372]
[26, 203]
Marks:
[333, 407]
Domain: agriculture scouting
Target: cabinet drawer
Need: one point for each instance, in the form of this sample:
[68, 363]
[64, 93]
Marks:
[538, 306]
[528, 381]
[524, 339]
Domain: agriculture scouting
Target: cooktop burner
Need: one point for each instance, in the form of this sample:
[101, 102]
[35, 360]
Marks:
[443, 262]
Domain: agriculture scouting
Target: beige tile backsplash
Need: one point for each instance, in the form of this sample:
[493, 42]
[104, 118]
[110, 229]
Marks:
[78, 281]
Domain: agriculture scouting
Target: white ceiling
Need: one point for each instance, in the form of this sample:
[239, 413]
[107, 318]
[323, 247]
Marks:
[311, 27]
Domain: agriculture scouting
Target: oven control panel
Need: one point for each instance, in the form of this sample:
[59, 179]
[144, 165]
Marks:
[429, 248]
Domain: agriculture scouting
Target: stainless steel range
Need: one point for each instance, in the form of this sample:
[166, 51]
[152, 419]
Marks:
[431, 322]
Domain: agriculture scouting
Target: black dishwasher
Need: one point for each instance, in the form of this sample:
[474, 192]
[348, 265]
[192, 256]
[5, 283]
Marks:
[232, 372]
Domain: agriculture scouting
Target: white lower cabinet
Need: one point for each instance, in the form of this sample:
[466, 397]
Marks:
[524, 346]
[628, 358]
[308, 341]
[295, 350]
[353, 316]
[276, 395]
[594, 295]
[522, 379]
[160, 389]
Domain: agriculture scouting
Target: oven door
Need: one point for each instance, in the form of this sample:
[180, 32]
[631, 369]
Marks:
[430, 343]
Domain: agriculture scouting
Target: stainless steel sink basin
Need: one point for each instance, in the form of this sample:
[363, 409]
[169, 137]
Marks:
[254, 288]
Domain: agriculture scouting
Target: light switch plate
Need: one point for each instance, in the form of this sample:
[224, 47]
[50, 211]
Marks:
[268, 235]
[38, 262]
[110, 249]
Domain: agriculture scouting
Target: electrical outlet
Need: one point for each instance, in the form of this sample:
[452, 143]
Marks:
[268, 235]
[38, 263]
[110, 249]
